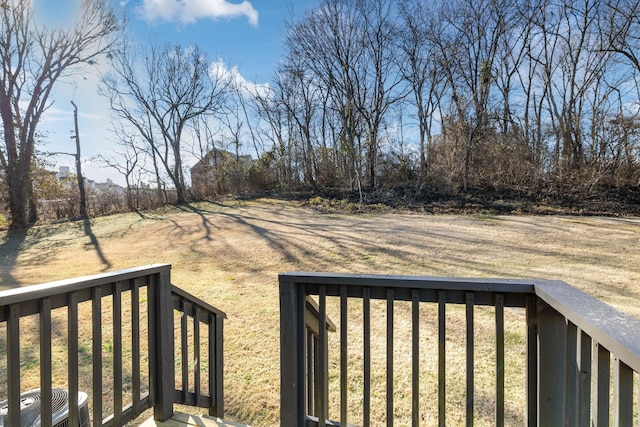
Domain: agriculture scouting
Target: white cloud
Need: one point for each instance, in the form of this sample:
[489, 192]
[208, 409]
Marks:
[219, 69]
[189, 11]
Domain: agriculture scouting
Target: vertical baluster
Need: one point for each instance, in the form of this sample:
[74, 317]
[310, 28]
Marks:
[532, 362]
[117, 354]
[415, 357]
[366, 328]
[499, 302]
[45, 362]
[344, 362]
[389, 357]
[96, 335]
[322, 386]
[552, 373]
[638, 394]
[622, 394]
[442, 358]
[220, 366]
[601, 388]
[72, 345]
[196, 354]
[13, 364]
[135, 347]
[315, 348]
[152, 321]
[573, 376]
[212, 363]
[184, 346]
[311, 359]
[584, 395]
[470, 359]
[314, 373]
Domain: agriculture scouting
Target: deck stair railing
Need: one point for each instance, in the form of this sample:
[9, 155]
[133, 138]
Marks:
[316, 364]
[132, 358]
[581, 356]
[194, 315]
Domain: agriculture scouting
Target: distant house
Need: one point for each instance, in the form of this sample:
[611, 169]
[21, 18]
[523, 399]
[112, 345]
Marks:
[219, 171]
[108, 187]
[64, 172]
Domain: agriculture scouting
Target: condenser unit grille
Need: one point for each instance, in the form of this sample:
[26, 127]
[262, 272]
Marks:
[30, 407]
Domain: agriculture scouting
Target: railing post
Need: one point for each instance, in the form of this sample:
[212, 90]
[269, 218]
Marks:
[552, 366]
[13, 364]
[164, 384]
[292, 387]
[219, 364]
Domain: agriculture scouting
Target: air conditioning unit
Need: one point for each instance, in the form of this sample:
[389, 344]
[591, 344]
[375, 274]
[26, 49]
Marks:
[30, 409]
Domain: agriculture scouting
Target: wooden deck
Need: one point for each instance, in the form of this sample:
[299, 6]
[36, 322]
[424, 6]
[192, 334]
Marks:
[183, 420]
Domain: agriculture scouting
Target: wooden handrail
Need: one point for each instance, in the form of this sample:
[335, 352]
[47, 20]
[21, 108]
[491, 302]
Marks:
[615, 330]
[312, 315]
[79, 284]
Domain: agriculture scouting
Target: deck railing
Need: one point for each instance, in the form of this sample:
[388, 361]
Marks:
[128, 319]
[569, 341]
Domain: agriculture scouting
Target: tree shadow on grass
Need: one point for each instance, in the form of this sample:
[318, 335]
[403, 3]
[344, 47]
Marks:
[206, 223]
[96, 244]
[16, 242]
[245, 221]
[9, 252]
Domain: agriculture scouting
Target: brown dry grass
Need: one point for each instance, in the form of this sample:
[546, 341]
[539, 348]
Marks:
[230, 255]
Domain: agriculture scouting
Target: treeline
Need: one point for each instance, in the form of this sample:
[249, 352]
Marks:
[499, 96]
[525, 97]
[459, 95]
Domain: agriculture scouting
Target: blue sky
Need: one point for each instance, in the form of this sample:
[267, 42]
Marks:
[247, 35]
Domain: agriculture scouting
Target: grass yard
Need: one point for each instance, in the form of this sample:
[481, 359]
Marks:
[230, 254]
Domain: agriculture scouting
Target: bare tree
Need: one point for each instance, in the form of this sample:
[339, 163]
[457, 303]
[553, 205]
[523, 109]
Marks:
[128, 161]
[379, 86]
[467, 38]
[533, 94]
[619, 29]
[78, 160]
[299, 93]
[329, 42]
[419, 67]
[572, 70]
[34, 57]
[271, 109]
[160, 92]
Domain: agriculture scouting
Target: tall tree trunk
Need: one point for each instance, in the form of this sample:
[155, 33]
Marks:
[81, 190]
[18, 201]
[33, 204]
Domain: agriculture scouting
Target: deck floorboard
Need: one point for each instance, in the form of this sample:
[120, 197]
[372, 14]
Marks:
[185, 420]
